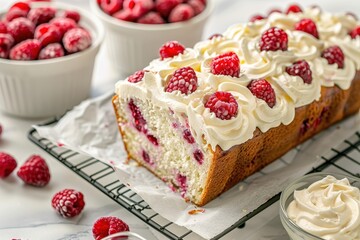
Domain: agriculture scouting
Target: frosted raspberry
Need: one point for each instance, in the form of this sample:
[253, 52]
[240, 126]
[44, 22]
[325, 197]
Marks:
[164, 7]
[47, 33]
[262, 89]
[3, 28]
[199, 156]
[215, 35]
[7, 164]
[137, 76]
[106, 226]
[15, 13]
[307, 25]
[68, 203]
[111, 6]
[139, 8]
[53, 50]
[35, 171]
[26, 50]
[256, 18]
[76, 40]
[226, 64]
[188, 136]
[223, 104]
[41, 15]
[334, 54]
[293, 9]
[197, 5]
[302, 69]
[274, 39]
[171, 49]
[125, 15]
[6, 42]
[72, 14]
[63, 24]
[24, 6]
[181, 12]
[21, 29]
[183, 80]
[151, 18]
[354, 33]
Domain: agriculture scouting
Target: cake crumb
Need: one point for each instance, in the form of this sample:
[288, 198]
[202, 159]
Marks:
[196, 211]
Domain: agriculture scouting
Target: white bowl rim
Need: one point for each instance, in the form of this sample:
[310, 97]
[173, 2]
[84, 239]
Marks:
[99, 28]
[152, 27]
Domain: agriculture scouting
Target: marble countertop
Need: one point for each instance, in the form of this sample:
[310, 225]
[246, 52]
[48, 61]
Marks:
[26, 212]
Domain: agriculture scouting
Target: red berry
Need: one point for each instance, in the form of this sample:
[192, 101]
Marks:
[188, 136]
[76, 40]
[26, 50]
[184, 80]
[307, 25]
[47, 33]
[6, 42]
[334, 54]
[223, 104]
[41, 15]
[3, 28]
[124, 15]
[171, 49]
[7, 163]
[274, 39]
[15, 13]
[64, 24]
[111, 6]
[354, 33]
[74, 15]
[136, 77]
[139, 121]
[181, 12]
[139, 7]
[262, 89]
[164, 7]
[197, 5]
[21, 29]
[302, 69]
[151, 18]
[293, 9]
[53, 50]
[215, 35]
[256, 18]
[35, 171]
[24, 6]
[68, 203]
[226, 64]
[106, 226]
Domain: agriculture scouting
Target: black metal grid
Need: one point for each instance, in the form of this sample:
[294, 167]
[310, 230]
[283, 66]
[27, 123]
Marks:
[344, 158]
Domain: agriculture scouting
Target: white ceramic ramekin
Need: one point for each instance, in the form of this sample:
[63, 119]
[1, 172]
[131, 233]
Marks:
[36, 89]
[131, 46]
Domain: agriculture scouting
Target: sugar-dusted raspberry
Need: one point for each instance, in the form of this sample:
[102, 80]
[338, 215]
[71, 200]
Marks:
[137, 76]
[6, 42]
[53, 50]
[139, 8]
[226, 64]
[274, 39]
[72, 14]
[307, 25]
[171, 49]
[41, 15]
[139, 120]
[124, 15]
[302, 69]
[21, 29]
[223, 105]
[76, 40]
[164, 7]
[151, 18]
[68, 203]
[106, 226]
[256, 17]
[3, 28]
[111, 6]
[15, 13]
[184, 80]
[47, 33]
[197, 5]
[262, 89]
[188, 136]
[181, 12]
[294, 8]
[35, 171]
[7, 164]
[199, 156]
[334, 54]
[26, 50]
[355, 32]
[24, 6]
[215, 35]
[64, 24]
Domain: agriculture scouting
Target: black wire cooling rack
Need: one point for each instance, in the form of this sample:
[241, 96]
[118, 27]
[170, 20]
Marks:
[343, 158]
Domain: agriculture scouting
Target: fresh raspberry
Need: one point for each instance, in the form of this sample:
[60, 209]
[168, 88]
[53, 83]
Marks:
[226, 64]
[256, 18]
[64, 24]
[171, 49]
[24, 6]
[35, 171]
[68, 203]
[307, 25]
[334, 54]
[164, 7]
[74, 15]
[274, 10]
[274, 39]
[26, 50]
[106, 226]
[262, 89]
[7, 164]
[76, 40]
[124, 15]
[215, 35]
[197, 5]
[53, 50]
[184, 80]
[223, 104]
[3, 28]
[151, 18]
[293, 9]
[6, 42]
[15, 13]
[136, 77]
[41, 15]
[181, 12]
[47, 33]
[354, 33]
[21, 29]
[188, 136]
[139, 7]
[111, 6]
[302, 69]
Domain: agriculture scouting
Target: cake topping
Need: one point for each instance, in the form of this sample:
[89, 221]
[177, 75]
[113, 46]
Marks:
[68, 203]
[35, 171]
[274, 39]
[183, 80]
[223, 104]
[226, 64]
[262, 89]
[7, 164]
[256, 18]
[355, 32]
[106, 226]
[302, 69]
[307, 25]
[136, 77]
[334, 54]
[294, 9]
[171, 49]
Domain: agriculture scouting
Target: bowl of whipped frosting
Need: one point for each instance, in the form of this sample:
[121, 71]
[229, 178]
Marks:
[322, 206]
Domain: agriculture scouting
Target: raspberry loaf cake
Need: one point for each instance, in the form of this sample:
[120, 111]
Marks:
[204, 118]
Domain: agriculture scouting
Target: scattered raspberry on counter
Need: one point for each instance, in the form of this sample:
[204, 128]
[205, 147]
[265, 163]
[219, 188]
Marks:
[7, 163]
[35, 171]
[68, 202]
[106, 226]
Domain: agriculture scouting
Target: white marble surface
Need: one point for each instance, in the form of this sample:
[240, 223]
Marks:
[26, 213]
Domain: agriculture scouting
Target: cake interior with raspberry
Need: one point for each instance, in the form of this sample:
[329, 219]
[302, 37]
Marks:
[204, 118]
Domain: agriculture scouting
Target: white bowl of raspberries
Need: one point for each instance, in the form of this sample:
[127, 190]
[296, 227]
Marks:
[136, 29]
[47, 54]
